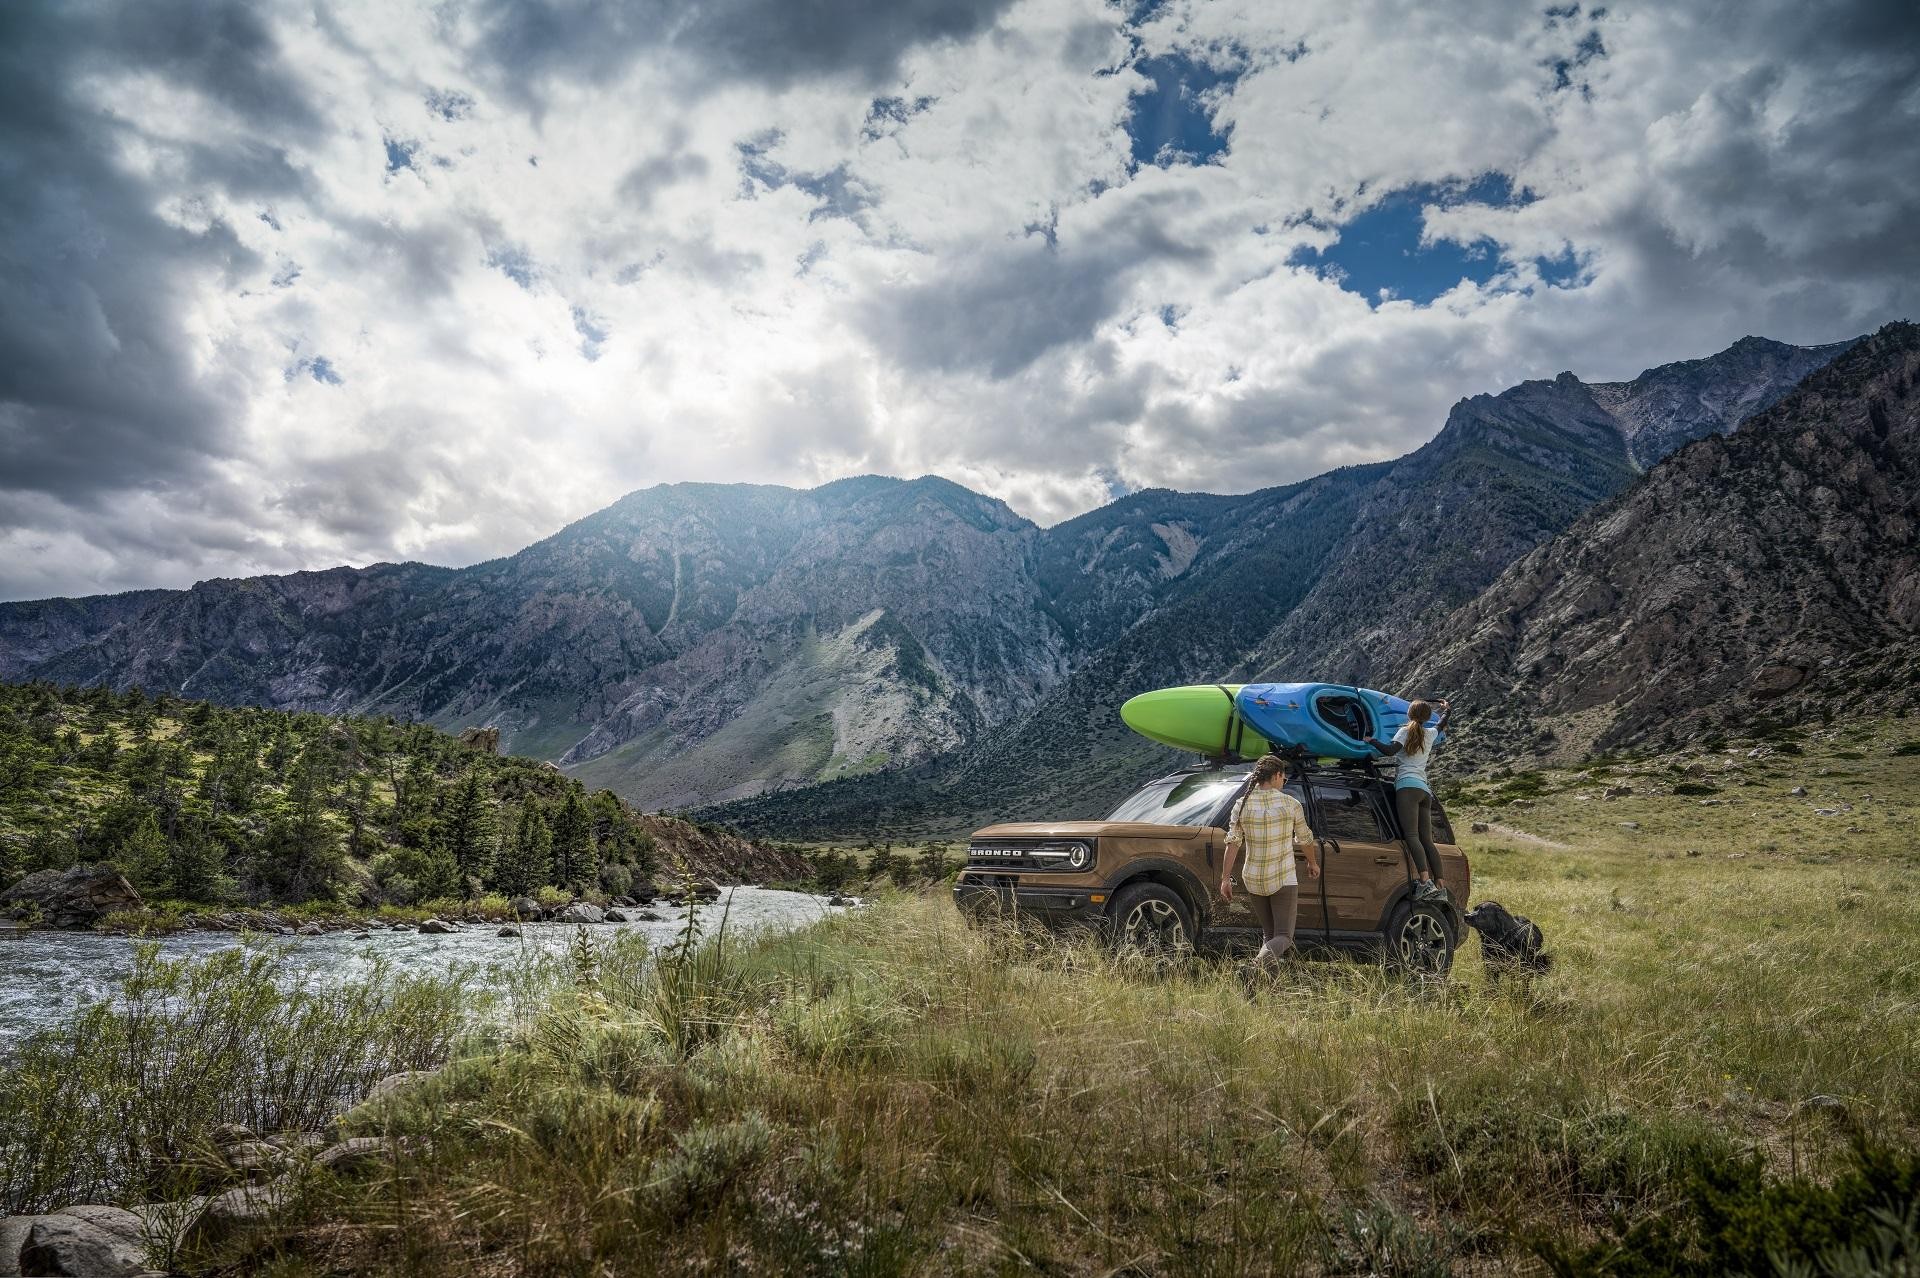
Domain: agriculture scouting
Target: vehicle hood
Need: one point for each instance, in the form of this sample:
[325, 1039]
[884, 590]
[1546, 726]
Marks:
[1086, 830]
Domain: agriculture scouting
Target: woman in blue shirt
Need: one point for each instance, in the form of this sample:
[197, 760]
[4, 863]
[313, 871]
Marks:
[1413, 745]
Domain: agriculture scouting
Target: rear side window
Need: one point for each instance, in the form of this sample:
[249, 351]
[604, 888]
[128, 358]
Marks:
[1442, 828]
[1346, 813]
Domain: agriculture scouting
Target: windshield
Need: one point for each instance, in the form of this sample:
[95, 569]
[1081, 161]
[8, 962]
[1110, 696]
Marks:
[1191, 798]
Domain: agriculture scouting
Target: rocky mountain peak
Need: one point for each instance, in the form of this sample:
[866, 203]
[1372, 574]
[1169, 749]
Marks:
[1775, 568]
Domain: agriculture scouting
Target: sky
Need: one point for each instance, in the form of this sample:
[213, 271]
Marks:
[288, 285]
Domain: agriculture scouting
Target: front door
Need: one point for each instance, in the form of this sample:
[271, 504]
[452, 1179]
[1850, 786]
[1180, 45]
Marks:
[1310, 919]
[1369, 865]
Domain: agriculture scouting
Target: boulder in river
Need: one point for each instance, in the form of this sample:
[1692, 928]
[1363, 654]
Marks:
[524, 907]
[75, 898]
[436, 927]
[508, 930]
[617, 915]
[582, 912]
[89, 1240]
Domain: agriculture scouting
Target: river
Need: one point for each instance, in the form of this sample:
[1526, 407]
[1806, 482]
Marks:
[46, 976]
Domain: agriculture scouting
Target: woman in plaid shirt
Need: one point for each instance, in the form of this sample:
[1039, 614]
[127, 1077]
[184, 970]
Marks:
[1270, 826]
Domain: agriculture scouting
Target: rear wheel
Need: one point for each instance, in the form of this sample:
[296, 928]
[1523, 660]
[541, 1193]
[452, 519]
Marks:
[1151, 917]
[1420, 939]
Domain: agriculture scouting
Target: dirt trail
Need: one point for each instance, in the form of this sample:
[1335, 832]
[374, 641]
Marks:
[1521, 836]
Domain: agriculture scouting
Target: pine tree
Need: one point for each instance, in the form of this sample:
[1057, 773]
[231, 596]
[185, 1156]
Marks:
[196, 867]
[883, 863]
[526, 859]
[300, 859]
[933, 862]
[575, 860]
[142, 855]
[468, 830]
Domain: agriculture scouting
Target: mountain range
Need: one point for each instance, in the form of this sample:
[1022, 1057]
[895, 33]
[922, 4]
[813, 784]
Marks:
[912, 653]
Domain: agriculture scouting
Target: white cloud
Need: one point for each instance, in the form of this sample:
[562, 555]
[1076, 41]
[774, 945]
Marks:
[403, 281]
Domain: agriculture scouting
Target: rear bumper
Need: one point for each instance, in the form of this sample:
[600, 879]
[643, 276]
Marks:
[987, 893]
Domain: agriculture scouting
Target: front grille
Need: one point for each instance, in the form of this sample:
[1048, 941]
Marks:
[1072, 856]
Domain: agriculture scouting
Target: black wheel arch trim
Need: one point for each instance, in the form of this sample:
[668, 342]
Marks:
[1456, 919]
[1171, 874]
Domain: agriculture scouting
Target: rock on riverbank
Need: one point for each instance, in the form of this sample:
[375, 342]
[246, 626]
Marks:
[76, 898]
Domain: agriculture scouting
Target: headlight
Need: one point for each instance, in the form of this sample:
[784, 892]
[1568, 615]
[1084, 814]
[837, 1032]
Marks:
[1060, 854]
[1073, 856]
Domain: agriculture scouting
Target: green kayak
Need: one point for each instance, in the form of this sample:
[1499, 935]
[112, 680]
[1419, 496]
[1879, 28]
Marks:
[1201, 718]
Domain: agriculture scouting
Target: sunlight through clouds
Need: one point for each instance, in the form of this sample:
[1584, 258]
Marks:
[290, 287]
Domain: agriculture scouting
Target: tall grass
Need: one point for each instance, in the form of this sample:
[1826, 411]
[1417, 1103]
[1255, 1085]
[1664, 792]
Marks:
[895, 1092]
[113, 1105]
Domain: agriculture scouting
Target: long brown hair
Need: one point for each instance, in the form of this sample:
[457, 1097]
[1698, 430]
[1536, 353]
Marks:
[1266, 766]
[1417, 715]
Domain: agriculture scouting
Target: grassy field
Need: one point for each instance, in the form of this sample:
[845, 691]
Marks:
[894, 1092]
[1721, 1065]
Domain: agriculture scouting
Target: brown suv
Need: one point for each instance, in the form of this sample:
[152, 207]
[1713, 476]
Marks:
[1150, 873]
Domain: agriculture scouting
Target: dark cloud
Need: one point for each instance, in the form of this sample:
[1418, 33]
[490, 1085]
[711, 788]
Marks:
[1001, 309]
[768, 42]
[100, 389]
[669, 167]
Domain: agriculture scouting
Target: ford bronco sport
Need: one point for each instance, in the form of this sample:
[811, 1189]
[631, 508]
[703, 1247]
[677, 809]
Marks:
[1149, 874]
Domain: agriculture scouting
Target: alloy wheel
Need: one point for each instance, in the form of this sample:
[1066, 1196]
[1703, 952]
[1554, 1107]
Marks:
[1154, 925]
[1424, 942]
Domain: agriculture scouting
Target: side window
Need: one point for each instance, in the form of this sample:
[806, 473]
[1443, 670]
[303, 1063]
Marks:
[1345, 814]
[1442, 828]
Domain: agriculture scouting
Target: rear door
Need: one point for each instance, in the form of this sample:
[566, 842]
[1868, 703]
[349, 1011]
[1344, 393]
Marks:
[1364, 864]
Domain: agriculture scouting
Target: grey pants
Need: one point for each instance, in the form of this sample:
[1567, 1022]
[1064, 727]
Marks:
[1276, 914]
[1416, 823]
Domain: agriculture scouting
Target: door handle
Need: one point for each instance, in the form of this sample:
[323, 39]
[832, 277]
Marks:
[1386, 860]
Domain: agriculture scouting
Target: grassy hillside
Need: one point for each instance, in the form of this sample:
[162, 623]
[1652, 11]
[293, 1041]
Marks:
[1718, 1069]
[202, 803]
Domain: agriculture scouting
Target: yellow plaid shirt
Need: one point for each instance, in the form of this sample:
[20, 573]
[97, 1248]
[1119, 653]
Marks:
[1268, 822]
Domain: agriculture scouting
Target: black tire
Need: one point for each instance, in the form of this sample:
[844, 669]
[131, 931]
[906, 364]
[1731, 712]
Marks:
[1421, 940]
[1151, 917]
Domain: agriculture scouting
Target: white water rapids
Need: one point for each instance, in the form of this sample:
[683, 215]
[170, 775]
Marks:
[46, 976]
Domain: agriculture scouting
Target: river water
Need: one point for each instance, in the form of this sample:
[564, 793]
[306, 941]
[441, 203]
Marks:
[46, 976]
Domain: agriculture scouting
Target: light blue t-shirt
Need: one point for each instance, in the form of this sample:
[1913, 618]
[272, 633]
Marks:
[1413, 763]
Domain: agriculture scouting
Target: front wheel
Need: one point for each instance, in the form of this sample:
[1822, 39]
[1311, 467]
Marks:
[1420, 939]
[1151, 917]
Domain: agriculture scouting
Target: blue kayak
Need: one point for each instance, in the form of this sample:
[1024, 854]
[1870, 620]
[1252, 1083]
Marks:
[1325, 719]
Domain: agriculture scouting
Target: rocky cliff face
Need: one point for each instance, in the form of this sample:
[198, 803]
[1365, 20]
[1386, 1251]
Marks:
[696, 643]
[687, 643]
[1505, 473]
[1774, 572]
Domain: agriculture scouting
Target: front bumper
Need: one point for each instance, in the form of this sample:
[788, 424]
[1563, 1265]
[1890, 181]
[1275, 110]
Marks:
[982, 892]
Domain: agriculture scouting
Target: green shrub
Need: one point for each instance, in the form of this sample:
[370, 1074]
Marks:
[103, 1107]
[1733, 1219]
[1694, 788]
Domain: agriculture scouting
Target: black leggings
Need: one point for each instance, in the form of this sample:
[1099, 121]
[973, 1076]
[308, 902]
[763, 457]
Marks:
[1416, 824]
